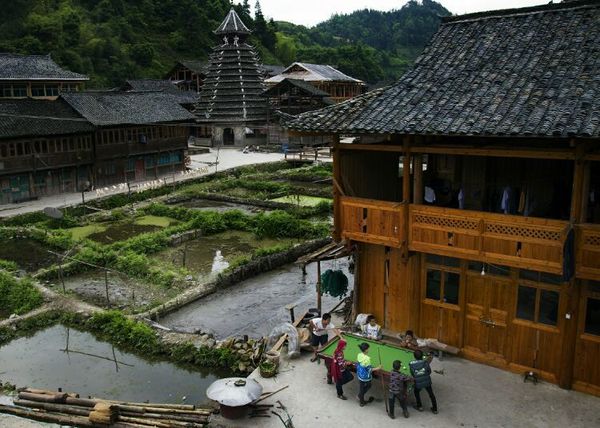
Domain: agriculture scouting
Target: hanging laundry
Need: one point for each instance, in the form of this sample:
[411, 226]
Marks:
[505, 203]
[429, 195]
[521, 208]
[461, 199]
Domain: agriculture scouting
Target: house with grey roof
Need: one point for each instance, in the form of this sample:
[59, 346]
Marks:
[138, 135]
[338, 85]
[35, 76]
[46, 148]
[470, 191]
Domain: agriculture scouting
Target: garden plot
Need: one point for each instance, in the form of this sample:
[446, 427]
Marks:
[28, 254]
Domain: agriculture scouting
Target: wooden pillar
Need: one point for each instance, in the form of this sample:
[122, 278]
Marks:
[405, 197]
[319, 286]
[337, 178]
[418, 179]
[571, 291]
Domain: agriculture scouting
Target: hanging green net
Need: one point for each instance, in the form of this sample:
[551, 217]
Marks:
[334, 283]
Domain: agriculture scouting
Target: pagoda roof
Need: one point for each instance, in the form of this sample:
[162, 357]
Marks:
[232, 24]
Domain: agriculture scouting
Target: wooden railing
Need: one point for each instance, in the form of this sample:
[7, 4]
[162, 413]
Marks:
[524, 242]
[588, 251]
[371, 221]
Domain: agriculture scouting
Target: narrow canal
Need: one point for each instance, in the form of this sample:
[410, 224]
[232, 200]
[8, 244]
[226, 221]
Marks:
[257, 305]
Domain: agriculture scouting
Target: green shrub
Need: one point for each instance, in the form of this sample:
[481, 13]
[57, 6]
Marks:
[18, 296]
[280, 224]
[8, 265]
[120, 330]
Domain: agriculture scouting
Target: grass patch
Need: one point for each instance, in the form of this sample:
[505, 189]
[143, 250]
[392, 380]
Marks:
[153, 220]
[17, 296]
[302, 200]
[82, 232]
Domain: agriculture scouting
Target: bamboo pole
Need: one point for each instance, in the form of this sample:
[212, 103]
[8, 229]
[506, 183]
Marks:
[44, 398]
[269, 394]
[60, 419]
[160, 423]
[157, 405]
[180, 418]
[53, 407]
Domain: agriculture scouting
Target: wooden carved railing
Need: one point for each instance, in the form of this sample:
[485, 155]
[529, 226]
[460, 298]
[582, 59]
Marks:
[524, 242]
[588, 251]
[372, 221]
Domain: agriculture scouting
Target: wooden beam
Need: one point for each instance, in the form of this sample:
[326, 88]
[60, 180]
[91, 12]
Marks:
[570, 301]
[578, 182]
[372, 147]
[418, 179]
[337, 190]
[496, 152]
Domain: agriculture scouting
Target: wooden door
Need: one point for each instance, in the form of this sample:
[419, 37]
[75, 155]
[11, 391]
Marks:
[586, 370]
[487, 306]
[140, 171]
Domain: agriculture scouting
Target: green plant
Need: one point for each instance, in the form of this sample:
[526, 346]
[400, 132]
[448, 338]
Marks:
[8, 265]
[18, 296]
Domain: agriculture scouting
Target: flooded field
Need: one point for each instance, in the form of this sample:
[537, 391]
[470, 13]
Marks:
[59, 357]
[301, 200]
[219, 206]
[212, 254]
[107, 233]
[255, 306]
[123, 292]
[28, 254]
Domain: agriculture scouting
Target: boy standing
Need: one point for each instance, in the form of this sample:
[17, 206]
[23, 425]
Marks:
[319, 328]
[421, 372]
[364, 371]
[398, 389]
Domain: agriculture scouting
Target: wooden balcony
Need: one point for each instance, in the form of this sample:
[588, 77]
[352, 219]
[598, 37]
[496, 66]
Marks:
[46, 161]
[120, 150]
[588, 251]
[523, 242]
[372, 221]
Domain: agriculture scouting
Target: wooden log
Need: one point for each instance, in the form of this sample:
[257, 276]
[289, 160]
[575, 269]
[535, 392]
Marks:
[157, 405]
[44, 398]
[181, 418]
[159, 423]
[42, 416]
[53, 407]
[82, 402]
[163, 411]
[267, 395]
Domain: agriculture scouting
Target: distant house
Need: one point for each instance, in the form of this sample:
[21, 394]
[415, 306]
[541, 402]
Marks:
[138, 135]
[338, 85]
[184, 97]
[45, 149]
[270, 70]
[35, 76]
[188, 75]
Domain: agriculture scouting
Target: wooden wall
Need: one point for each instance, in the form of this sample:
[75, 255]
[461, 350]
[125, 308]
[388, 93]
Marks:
[364, 172]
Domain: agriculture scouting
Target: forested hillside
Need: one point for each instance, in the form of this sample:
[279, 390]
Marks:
[112, 40]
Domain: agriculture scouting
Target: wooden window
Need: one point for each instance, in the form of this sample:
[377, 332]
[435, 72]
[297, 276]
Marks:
[19, 90]
[442, 286]
[19, 149]
[37, 90]
[592, 317]
[3, 151]
[72, 144]
[45, 146]
[6, 91]
[12, 150]
[27, 147]
[51, 90]
[537, 304]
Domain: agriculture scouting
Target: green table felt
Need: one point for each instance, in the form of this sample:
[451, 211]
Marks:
[388, 352]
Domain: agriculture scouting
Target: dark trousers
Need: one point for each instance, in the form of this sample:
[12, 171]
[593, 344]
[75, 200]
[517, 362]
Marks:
[401, 399]
[363, 387]
[429, 390]
[339, 387]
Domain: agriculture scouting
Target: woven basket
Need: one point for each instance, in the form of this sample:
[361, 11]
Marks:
[267, 369]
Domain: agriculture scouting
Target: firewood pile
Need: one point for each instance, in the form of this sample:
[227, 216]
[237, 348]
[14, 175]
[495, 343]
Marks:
[69, 409]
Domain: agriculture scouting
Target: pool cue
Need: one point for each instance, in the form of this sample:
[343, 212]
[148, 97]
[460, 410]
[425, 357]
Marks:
[387, 410]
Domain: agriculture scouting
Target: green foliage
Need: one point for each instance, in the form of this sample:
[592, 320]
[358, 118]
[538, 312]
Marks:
[8, 265]
[120, 330]
[17, 296]
[280, 224]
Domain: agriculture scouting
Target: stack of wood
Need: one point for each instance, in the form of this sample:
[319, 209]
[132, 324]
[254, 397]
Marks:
[69, 409]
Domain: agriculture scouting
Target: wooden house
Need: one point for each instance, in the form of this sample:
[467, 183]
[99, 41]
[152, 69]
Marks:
[35, 76]
[338, 85]
[188, 75]
[138, 135]
[473, 195]
[45, 149]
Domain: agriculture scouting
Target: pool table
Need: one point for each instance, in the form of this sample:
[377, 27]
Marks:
[388, 352]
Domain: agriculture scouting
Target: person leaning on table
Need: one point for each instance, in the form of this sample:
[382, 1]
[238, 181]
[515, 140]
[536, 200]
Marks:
[319, 332]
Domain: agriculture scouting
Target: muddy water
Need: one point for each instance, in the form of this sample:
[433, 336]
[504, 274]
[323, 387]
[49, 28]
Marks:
[255, 306]
[89, 368]
[120, 232]
[201, 256]
[219, 206]
[28, 254]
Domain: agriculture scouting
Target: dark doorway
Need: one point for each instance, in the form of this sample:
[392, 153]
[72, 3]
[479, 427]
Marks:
[228, 137]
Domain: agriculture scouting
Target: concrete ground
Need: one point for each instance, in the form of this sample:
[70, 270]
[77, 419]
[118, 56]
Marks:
[468, 394]
[227, 159]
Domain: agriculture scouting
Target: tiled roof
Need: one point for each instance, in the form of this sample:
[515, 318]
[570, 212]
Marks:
[305, 86]
[271, 70]
[197, 66]
[233, 86]
[166, 86]
[34, 67]
[31, 117]
[525, 72]
[127, 108]
[232, 24]
[312, 72]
